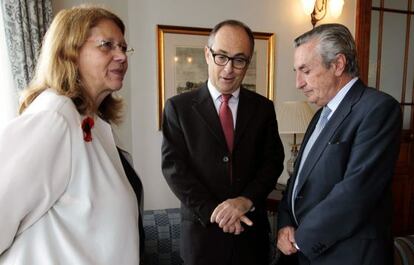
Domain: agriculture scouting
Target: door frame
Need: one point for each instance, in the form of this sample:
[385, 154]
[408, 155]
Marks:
[362, 30]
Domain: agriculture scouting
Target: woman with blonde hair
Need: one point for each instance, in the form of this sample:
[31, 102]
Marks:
[64, 195]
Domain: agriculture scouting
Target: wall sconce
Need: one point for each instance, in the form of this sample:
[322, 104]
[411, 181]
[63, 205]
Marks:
[317, 9]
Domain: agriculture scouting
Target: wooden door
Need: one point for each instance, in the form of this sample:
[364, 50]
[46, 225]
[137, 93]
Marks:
[385, 43]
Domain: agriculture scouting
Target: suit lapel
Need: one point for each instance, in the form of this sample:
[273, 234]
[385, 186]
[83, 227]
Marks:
[331, 127]
[203, 105]
[245, 112]
[306, 137]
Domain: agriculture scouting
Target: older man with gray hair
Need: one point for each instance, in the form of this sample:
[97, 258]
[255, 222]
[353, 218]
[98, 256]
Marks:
[337, 206]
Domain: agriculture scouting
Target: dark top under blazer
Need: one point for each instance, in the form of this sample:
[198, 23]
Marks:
[136, 184]
[195, 163]
[343, 205]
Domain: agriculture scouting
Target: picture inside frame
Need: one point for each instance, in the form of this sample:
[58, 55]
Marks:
[186, 67]
[191, 70]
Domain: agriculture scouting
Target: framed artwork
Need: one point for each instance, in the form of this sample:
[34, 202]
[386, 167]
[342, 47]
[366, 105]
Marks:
[182, 66]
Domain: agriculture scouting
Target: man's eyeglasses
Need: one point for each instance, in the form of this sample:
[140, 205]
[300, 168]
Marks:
[107, 46]
[222, 60]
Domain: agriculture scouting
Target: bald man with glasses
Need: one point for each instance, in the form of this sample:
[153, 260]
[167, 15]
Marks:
[222, 156]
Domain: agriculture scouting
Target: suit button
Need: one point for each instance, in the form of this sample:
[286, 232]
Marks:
[226, 159]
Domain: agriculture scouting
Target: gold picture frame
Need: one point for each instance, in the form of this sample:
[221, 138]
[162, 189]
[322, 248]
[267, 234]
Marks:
[181, 58]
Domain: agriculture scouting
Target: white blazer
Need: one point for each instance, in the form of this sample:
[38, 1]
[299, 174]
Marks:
[63, 200]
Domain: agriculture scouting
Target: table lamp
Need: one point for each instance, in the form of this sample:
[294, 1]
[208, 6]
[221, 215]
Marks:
[293, 118]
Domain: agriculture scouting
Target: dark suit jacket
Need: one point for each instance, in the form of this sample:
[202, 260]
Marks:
[343, 205]
[195, 163]
[136, 184]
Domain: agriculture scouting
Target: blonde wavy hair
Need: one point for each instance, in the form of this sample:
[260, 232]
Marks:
[57, 67]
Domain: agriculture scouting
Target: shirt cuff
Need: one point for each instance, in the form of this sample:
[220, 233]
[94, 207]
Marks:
[296, 246]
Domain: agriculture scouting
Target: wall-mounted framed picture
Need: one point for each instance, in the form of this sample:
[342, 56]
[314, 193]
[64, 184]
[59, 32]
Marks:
[182, 66]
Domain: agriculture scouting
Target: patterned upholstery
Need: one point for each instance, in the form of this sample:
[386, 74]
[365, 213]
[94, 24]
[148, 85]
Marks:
[404, 250]
[162, 240]
[162, 237]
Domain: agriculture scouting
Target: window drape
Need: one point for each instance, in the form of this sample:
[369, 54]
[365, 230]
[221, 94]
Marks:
[25, 23]
[8, 92]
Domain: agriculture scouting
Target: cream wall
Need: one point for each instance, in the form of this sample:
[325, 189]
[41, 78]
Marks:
[139, 132]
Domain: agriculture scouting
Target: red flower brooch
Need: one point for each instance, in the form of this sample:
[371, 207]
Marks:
[87, 125]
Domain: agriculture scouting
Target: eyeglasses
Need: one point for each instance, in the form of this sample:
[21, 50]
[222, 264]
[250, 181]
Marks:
[107, 46]
[222, 60]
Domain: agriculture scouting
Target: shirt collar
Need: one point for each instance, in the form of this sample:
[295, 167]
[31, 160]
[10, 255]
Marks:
[334, 103]
[215, 94]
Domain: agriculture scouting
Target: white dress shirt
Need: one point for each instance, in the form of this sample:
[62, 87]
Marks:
[233, 101]
[63, 200]
[334, 103]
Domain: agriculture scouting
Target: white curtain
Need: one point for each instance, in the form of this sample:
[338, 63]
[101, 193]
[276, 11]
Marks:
[8, 91]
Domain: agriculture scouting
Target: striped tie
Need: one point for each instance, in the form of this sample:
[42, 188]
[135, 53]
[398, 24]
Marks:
[226, 120]
[323, 119]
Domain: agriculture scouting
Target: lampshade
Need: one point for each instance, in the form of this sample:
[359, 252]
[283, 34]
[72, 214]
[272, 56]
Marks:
[318, 9]
[293, 116]
[308, 6]
[335, 7]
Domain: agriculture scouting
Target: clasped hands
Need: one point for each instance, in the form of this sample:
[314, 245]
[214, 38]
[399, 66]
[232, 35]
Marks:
[231, 213]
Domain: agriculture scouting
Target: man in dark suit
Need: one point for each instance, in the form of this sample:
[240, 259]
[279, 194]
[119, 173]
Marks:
[222, 156]
[337, 206]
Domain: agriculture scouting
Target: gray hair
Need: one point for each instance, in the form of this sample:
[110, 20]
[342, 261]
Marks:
[232, 23]
[333, 39]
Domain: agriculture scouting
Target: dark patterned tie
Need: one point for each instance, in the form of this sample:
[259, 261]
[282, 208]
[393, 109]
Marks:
[226, 120]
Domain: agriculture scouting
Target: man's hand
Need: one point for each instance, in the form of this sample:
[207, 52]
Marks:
[230, 213]
[286, 239]
[236, 228]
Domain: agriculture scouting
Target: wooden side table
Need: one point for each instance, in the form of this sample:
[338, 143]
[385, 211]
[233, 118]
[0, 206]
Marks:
[272, 203]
